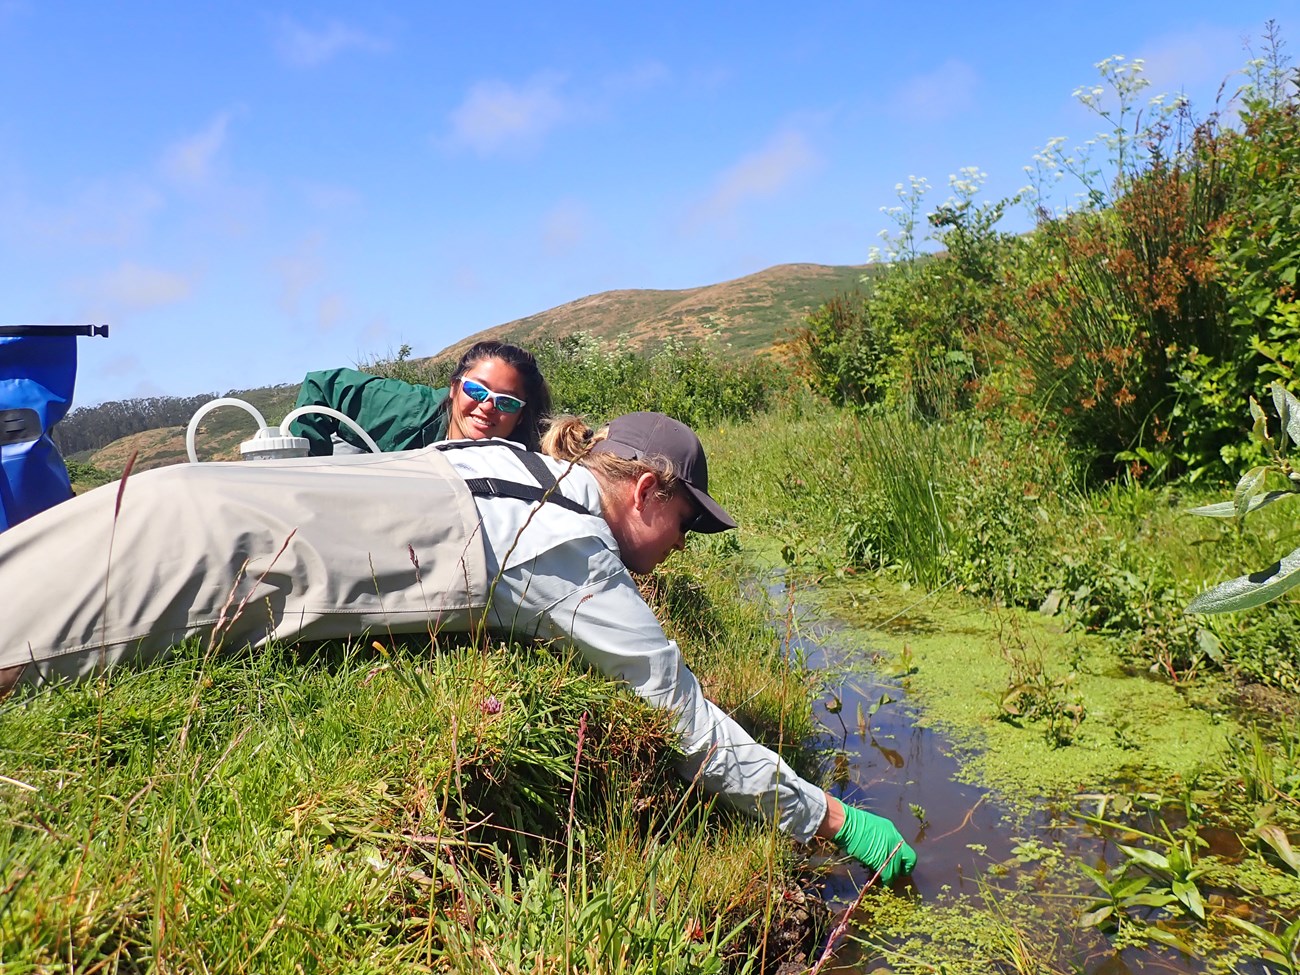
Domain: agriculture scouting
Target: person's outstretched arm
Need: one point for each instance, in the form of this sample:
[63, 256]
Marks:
[597, 607]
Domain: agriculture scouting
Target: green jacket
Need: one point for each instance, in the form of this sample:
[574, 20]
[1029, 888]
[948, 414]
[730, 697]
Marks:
[398, 415]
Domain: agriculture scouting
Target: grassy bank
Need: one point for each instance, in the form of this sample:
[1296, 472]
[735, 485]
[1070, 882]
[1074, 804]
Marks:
[358, 809]
[468, 808]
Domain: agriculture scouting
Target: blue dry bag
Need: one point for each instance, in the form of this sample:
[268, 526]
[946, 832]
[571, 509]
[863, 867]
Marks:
[38, 369]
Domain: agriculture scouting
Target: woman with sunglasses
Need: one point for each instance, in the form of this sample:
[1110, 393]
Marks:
[496, 390]
[448, 538]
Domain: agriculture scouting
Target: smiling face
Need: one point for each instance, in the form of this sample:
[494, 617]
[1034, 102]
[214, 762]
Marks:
[478, 421]
[648, 527]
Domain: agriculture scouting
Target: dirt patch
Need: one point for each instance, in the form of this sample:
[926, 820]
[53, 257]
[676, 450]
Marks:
[790, 940]
[1268, 700]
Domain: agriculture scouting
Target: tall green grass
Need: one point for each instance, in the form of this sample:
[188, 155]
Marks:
[351, 809]
[686, 380]
[999, 512]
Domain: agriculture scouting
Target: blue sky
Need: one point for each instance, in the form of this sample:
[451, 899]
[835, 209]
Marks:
[249, 191]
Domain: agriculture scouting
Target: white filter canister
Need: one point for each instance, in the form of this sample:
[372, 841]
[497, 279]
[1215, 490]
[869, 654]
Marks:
[273, 447]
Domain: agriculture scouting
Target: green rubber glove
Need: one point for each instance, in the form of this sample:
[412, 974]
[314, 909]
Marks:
[869, 838]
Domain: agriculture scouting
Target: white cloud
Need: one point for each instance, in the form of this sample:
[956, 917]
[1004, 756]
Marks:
[938, 94]
[496, 115]
[304, 47]
[190, 161]
[132, 287]
[566, 226]
[760, 175]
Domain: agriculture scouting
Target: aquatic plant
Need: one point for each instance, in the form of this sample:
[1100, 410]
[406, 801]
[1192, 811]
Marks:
[1033, 695]
[1251, 494]
[1282, 948]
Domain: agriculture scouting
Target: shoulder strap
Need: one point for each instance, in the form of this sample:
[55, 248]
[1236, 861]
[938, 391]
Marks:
[548, 491]
[495, 487]
[537, 467]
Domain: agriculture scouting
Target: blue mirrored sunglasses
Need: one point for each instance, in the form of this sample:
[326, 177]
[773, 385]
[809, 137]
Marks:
[501, 401]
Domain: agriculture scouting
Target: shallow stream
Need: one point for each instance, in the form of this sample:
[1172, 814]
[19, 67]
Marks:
[980, 858]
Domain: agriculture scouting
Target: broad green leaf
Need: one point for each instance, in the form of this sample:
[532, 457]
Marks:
[1168, 938]
[1094, 918]
[1130, 887]
[1099, 876]
[1148, 858]
[1288, 411]
[1228, 509]
[1247, 488]
[1209, 644]
[884, 699]
[1190, 897]
[1292, 931]
[1260, 430]
[1276, 837]
[1260, 935]
[1249, 591]
[1281, 406]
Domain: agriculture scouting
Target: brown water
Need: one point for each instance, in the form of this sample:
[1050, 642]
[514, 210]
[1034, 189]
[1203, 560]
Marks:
[899, 764]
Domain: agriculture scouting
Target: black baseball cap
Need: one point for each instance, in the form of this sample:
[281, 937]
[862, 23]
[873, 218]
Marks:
[642, 436]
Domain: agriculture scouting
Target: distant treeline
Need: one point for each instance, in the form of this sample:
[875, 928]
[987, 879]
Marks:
[93, 427]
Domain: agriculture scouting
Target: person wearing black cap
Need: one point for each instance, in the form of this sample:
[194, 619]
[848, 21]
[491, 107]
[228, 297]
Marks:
[654, 485]
[537, 545]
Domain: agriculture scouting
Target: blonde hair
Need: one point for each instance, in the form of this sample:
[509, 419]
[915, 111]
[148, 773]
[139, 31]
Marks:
[569, 438]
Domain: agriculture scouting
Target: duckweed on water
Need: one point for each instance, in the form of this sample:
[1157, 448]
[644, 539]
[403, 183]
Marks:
[964, 659]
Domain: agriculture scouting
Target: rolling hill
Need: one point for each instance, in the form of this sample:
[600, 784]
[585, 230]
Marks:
[745, 316]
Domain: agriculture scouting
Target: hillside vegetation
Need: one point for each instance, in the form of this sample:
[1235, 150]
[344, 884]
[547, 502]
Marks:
[745, 315]
[759, 312]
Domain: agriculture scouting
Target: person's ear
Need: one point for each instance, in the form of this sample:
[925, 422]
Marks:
[644, 489]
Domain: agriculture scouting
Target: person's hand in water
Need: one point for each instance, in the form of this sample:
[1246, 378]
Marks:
[870, 839]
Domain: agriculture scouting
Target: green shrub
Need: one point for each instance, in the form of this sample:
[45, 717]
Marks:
[1104, 306]
[845, 355]
[86, 476]
[687, 381]
[917, 339]
[1258, 248]
[999, 543]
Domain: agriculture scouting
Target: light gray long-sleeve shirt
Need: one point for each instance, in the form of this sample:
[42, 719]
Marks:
[560, 576]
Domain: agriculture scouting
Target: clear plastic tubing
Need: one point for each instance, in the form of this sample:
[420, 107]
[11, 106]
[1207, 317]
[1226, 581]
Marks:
[302, 410]
[206, 408]
[262, 430]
